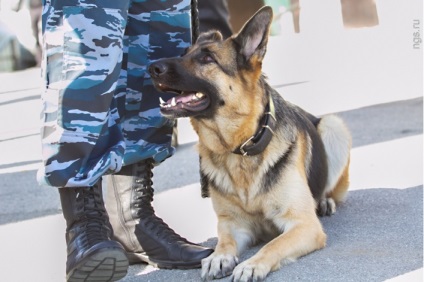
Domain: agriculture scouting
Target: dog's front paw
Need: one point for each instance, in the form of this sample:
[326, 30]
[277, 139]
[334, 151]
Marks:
[250, 271]
[217, 266]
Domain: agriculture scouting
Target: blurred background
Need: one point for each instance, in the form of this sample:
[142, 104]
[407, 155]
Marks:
[20, 22]
[20, 34]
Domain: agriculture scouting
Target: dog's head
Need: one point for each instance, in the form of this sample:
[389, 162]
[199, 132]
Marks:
[215, 72]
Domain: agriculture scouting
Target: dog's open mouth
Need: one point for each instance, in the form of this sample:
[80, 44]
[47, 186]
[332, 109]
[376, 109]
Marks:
[184, 101]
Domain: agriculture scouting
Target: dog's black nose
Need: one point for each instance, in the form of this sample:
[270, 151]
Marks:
[156, 69]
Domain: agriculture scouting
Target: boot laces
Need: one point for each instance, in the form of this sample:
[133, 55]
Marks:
[93, 217]
[144, 198]
[143, 188]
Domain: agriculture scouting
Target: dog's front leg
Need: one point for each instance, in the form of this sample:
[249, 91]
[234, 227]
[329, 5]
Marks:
[232, 240]
[302, 238]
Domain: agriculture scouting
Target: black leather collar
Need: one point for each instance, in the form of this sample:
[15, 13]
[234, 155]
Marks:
[258, 142]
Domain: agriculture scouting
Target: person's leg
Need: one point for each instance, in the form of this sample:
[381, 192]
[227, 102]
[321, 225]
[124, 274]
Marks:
[80, 138]
[82, 58]
[156, 29]
[214, 14]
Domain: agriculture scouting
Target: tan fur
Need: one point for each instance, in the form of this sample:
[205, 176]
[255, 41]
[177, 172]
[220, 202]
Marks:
[286, 215]
[228, 130]
[245, 216]
[264, 197]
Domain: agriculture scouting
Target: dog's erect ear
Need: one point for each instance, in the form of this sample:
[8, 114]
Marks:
[212, 35]
[253, 37]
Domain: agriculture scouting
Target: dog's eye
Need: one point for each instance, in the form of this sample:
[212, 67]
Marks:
[207, 59]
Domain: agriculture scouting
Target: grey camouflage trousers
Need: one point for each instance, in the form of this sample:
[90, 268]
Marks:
[99, 108]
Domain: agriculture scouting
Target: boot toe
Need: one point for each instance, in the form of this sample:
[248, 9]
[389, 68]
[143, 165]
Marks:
[195, 253]
[181, 255]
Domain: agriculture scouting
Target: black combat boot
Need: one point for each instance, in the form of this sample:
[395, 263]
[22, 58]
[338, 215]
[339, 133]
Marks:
[145, 236]
[91, 254]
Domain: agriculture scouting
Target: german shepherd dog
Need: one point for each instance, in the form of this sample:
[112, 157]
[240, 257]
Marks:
[268, 166]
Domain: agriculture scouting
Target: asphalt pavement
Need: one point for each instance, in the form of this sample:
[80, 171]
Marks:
[372, 77]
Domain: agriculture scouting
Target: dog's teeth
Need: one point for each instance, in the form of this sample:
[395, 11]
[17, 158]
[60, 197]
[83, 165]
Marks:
[197, 96]
[161, 101]
[173, 103]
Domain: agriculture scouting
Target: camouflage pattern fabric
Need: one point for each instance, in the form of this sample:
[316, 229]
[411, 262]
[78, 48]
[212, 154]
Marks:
[100, 110]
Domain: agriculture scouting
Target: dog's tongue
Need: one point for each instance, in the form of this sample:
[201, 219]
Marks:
[184, 98]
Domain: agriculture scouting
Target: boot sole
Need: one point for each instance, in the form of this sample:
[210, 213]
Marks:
[135, 258]
[107, 264]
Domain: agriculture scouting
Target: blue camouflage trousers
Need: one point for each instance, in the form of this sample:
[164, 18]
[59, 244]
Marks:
[99, 108]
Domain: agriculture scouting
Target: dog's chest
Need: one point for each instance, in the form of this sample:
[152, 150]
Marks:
[235, 177]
